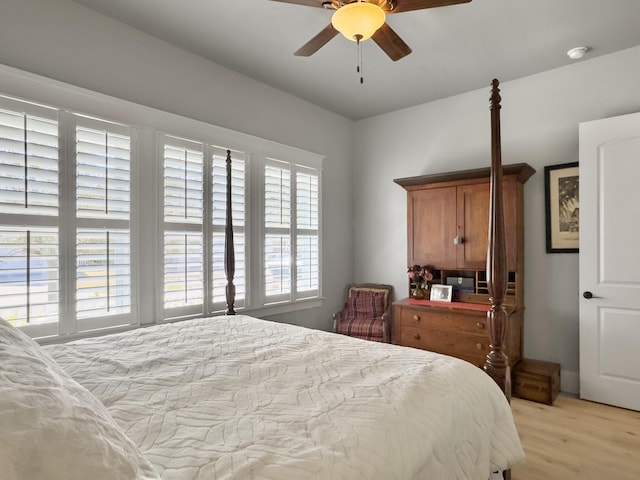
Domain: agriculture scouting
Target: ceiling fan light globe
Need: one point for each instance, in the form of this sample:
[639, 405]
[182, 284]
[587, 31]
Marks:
[358, 20]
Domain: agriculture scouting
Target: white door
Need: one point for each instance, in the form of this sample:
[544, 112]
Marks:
[610, 261]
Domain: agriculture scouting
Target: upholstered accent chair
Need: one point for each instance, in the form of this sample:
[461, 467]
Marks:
[366, 313]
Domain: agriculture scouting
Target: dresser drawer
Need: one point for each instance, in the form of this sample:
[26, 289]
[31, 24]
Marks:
[459, 345]
[458, 322]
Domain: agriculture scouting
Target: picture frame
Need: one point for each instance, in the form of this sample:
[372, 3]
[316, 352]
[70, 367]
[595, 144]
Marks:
[562, 202]
[441, 293]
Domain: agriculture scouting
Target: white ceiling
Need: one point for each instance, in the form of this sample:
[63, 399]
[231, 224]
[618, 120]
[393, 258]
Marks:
[455, 49]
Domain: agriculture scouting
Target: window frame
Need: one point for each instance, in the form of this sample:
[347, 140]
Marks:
[146, 176]
[297, 160]
[187, 227]
[256, 301]
[291, 231]
[70, 324]
[35, 109]
[67, 222]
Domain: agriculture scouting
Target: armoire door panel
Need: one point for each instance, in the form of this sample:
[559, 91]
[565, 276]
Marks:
[473, 223]
[432, 227]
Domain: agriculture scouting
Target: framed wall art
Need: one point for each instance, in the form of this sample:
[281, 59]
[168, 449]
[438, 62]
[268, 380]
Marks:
[562, 212]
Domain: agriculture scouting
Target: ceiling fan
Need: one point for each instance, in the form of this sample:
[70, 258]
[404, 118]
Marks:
[361, 19]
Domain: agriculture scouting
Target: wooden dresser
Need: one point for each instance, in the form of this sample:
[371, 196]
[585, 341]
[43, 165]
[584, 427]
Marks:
[447, 230]
[457, 329]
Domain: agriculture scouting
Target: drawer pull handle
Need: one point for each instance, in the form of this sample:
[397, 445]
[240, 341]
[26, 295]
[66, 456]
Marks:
[416, 336]
[479, 346]
[416, 318]
[480, 325]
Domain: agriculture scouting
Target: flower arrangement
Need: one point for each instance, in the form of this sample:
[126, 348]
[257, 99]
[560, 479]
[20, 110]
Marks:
[421, 276]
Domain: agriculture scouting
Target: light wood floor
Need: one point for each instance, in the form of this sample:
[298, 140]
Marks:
[576, 439]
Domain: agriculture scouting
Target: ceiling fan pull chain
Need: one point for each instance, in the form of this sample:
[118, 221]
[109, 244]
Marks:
[359, 58]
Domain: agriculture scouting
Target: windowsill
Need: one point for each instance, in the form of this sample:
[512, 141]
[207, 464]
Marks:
[267, 311]
[280, 308]
[52, 340]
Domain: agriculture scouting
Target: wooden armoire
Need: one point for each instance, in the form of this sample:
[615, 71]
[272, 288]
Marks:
[447, 230]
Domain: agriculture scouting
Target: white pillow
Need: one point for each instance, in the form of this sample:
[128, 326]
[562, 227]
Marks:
[53, 428]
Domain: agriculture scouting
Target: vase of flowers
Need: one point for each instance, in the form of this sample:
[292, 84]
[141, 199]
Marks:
[420, 277]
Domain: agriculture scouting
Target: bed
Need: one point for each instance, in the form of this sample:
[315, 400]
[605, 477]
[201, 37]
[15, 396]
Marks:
[235, 397]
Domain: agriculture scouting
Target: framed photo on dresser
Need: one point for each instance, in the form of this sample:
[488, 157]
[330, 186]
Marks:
[441, 293]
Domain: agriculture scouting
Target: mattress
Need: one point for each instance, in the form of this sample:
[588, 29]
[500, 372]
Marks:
[235, 397]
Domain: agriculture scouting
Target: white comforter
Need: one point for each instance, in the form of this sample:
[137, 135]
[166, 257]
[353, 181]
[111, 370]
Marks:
[241, 398]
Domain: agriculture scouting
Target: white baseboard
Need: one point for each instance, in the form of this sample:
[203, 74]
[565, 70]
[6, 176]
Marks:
[570, 382]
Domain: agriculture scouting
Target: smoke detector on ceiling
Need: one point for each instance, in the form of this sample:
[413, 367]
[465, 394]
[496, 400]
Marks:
[577, 53]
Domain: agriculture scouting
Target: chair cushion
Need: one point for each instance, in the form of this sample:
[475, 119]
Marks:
[366, 302]
[363, 327]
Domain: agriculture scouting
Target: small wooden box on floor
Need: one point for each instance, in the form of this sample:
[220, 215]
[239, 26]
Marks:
[536, 380]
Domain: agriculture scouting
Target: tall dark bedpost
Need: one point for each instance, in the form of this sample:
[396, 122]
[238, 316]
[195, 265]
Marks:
[496, 363]
[229, 250]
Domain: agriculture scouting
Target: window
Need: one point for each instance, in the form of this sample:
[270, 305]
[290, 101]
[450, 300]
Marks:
[307, 231]
[193, 171]
[278, 228]
[51, 230]
[103, 235]
[183, 252]
[105, 225]
[194, 216]
[291, 241]
[29, 207]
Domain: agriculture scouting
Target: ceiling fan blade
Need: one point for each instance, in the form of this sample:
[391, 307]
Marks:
[308, 3]
[317, 42]
[408, 5]
[391, 43]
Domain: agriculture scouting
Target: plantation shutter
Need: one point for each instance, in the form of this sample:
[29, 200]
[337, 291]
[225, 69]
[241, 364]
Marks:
[103, 173]
[77, 206]
[307, 248]
[103, 211]
[183, 255]
[183, 269]
[29, 275]
[183, 184]
[28, 160]
[277, 223]
[29, 206]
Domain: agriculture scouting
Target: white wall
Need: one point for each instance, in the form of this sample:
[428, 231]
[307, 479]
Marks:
[62, 40]
[540, 117]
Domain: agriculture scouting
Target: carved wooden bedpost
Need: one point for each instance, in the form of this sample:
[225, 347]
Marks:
[229, 250]
[496, 363]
